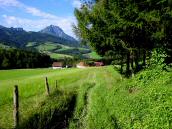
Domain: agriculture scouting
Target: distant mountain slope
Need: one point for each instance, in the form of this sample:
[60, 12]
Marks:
[56, 50]
[60, 46]
[19, 38]
[58, 32]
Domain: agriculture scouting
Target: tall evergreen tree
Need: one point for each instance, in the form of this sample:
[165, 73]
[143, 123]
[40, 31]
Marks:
[129, 28]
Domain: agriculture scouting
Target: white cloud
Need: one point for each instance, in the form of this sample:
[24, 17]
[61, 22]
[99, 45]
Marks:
[44, 20]
[36, 25]
[28, 9]
[37, 12]
[13, 3]
[76, 3]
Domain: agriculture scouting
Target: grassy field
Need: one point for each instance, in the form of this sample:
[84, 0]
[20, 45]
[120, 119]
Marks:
[92, 98]
[56, 50]
[4, 46]
[32, 91]
[59, 56]
[93, 55]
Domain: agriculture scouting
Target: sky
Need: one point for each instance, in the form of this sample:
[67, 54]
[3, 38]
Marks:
[34, 15]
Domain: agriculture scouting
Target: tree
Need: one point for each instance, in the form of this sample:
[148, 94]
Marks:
[5, 63]
[15, 58]
[129, 28]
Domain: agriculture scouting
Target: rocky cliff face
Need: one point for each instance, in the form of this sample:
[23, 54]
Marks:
[58, 32]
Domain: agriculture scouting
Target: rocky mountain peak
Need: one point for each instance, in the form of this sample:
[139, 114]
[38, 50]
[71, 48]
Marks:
[58, 32]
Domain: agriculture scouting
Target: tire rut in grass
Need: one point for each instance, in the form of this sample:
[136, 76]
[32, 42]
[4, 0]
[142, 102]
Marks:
[81, 110]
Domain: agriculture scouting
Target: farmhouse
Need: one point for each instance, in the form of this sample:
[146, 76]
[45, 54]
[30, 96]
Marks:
[57, 65]
[98, 64]
[82, 65]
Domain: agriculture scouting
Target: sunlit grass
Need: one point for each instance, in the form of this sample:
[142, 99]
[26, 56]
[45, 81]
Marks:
[104, 100]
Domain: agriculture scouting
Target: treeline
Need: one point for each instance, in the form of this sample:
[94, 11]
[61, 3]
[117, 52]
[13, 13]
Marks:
[127, 31]
[15, 59]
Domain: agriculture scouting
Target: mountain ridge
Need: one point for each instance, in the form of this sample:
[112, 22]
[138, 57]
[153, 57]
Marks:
[58, 32]
[19, 37]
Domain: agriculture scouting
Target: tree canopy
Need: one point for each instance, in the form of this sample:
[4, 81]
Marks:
[126, 29]
[15, 58]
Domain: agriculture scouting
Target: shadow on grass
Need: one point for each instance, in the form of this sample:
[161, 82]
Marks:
[90, 85]
[1, 127]
[115, 122]
[54, 113]
[129, 73]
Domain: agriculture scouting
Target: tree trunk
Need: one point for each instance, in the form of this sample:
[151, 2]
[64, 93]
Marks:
[128, 64]
[144, 57]
[132, 65]
[121, 71]
[136, 61]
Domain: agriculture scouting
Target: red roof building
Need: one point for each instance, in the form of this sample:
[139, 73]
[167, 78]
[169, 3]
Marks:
[57, 65]
[82, 65]
[98, 64]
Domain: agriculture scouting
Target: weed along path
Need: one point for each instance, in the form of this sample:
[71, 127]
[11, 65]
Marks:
[70, 103]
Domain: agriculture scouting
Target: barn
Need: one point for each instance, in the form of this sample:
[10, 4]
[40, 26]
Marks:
[57, 65]
[82, 65]
[98, 64]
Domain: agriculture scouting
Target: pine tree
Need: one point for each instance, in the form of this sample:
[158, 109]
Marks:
[129, 28]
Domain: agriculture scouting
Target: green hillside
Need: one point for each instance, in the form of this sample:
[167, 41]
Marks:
[93, 55]
[98, 98]
[57, 51]
[56, 47]
[4, 46]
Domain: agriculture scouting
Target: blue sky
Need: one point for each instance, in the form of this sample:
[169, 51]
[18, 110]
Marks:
[34, 15]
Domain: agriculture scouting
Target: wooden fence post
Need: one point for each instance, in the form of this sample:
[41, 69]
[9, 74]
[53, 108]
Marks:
[47, 86]
[16, 106]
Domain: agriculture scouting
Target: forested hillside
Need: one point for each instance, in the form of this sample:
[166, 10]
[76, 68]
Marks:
[15, 59]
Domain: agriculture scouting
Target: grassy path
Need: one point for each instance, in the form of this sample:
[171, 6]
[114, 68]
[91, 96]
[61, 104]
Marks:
[98, 115]
[90, 103]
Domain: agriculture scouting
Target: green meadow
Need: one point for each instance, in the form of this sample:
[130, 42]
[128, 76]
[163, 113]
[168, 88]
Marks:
[58, 51]
[91, 98]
